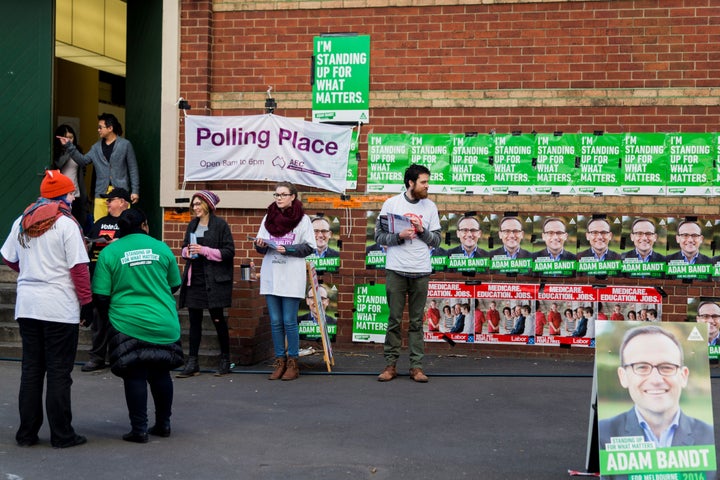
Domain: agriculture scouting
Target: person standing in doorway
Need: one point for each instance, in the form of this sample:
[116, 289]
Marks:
[113, 159]
[76, 173]
[46, 248]
[208, 250]
[408, 267]
[285, 237]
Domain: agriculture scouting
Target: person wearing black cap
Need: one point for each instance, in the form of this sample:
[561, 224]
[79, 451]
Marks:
[46, 248]
[103, 232]
[208, 250]
[133, 284]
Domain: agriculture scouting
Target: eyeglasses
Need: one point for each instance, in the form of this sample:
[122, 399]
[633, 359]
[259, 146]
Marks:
[468, 230]
[708, 317]
[685, 236]
[644, 234]
[598, 233]
[512, 232]
[644, 369]
[554, 234]
[324, 232]
[282, 195]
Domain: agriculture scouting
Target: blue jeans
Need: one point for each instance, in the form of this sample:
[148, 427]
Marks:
[48, 350]
[283, 323]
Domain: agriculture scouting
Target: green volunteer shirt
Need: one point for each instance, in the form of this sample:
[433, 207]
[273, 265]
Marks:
[137, 273]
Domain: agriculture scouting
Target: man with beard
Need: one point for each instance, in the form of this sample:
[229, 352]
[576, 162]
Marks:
[408, 267]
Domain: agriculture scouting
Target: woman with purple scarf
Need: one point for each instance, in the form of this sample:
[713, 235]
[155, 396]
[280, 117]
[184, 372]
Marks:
[285, 238]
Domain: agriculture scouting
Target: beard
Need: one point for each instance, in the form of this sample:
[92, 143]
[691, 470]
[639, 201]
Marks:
[418, 194]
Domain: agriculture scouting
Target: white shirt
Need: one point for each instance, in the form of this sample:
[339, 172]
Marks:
[285, 275]
[45, 290]
[412, 256]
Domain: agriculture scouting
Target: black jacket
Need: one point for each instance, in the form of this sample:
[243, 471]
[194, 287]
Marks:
[218, 275]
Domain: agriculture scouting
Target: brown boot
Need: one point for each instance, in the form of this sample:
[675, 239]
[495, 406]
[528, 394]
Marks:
[292, 372]
[388, 374]
[418, 375]
[279, 369]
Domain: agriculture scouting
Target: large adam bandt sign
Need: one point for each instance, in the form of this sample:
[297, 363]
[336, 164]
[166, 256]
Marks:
[266, 148]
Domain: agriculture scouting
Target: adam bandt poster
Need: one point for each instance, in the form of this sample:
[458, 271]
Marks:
[341, 79]
[268, 148]
[654, 404]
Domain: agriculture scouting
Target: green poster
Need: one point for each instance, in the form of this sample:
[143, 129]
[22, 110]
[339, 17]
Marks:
[370, 315]
[599, 165]
[644, 165]
[352, 174]
[654, 401]
[341, 79]
[716, 141]
[512, 163]
[470, 169]
[555, 163]
[691, 169]
[388, 157]
[432, 151]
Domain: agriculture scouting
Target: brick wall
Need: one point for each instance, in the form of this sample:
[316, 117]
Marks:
[455, 66]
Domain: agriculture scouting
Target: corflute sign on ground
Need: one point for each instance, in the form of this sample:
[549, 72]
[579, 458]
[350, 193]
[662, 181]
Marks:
[266, 148]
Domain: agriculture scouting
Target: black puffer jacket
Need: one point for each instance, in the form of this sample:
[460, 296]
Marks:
[127, 352]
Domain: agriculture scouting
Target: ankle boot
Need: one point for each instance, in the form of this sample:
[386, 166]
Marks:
[279, 366]
[292, 371]
[191, 368]
[223, 365]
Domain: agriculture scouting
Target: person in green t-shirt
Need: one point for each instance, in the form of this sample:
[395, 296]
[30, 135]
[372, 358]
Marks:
[134, 281]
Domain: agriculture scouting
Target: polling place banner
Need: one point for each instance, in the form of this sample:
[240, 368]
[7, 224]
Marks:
[267, 148]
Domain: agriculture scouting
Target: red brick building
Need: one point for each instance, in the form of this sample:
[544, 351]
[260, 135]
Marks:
[445, 66]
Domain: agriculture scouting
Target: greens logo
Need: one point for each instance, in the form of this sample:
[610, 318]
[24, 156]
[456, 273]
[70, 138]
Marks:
[631, 189]
[376, 188]
[362, 337]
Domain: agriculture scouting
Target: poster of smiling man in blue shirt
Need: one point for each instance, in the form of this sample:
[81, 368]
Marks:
[663, 432]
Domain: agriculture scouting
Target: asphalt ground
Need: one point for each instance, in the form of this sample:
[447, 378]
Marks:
[477, 418]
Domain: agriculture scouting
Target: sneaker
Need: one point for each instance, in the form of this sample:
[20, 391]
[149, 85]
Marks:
[92, 365]
[388, 374]
[418, 375]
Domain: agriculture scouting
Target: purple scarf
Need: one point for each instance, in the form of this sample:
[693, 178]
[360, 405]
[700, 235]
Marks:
[281, 222]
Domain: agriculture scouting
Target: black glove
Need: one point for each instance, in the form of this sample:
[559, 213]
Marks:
[87, 315]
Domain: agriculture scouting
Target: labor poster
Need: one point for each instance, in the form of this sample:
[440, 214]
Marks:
[654, 404]
[370, 313]
[562, 310]
[516, 304]
[449, 313]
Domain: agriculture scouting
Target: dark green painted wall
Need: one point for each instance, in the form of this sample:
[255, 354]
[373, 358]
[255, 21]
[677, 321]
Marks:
[142, 102]
[26, 63]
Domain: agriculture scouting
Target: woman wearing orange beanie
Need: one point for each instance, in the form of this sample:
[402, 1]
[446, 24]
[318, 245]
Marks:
[46, 248]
